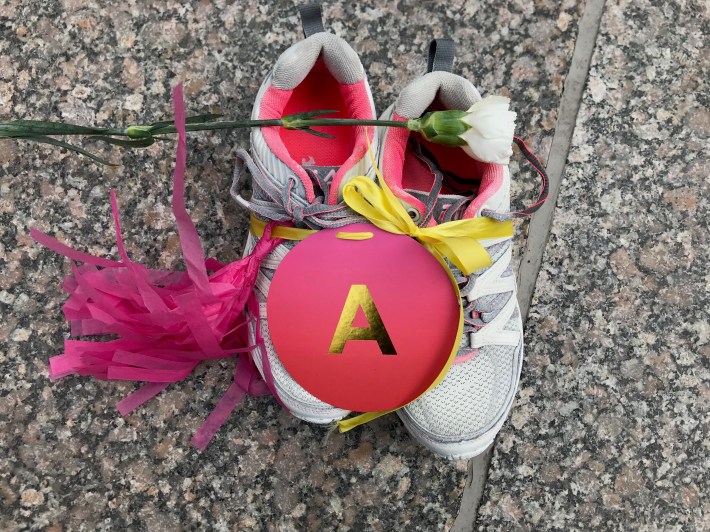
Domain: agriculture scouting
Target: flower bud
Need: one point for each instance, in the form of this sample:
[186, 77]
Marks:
[441, 127]
[485, 131]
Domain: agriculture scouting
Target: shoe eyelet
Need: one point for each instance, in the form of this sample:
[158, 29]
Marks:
[414, 214]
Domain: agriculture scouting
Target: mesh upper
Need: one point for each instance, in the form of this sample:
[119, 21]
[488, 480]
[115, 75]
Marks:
[472, 397]
[293, 395]
[477, 393]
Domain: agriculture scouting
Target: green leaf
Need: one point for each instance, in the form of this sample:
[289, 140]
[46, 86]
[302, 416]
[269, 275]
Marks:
[162, 123]
[317, 133]
[76, 149]
[41, 127]
[126, 143]
[311, 114]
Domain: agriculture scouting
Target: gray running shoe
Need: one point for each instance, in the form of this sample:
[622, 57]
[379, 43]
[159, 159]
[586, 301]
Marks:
[298, 178]
[461, 416]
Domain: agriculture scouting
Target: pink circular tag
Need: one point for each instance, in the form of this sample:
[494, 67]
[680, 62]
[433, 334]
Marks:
[363, 325]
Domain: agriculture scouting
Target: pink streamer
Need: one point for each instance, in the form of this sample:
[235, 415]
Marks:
[140, 396]
[189, 239]
[166, 322]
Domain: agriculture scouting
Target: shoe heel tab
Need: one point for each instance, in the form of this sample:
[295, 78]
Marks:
[311, 18]
[297, 61]
[441, 55]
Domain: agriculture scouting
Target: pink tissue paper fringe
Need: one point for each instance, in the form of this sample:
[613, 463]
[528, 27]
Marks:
[165, 322]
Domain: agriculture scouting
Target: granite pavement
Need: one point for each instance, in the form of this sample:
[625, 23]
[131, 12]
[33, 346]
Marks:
[68, 460]
[610, 430]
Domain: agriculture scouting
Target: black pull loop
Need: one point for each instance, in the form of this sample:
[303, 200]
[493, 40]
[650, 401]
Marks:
[441, 55]
[311, 18]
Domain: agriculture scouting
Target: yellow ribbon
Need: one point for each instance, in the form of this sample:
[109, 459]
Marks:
[458, 240]
[257, 227]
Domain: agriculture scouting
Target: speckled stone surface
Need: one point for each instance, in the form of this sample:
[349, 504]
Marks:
[68, 460]
[611, 426]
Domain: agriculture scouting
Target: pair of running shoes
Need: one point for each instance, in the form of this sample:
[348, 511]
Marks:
[298, 178]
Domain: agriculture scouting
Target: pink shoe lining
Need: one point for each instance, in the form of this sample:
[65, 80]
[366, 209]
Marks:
[401, 171]
[319, 91]
[393, 163]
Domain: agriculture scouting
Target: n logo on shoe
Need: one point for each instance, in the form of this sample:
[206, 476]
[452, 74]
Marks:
[338, 310]
[359, 298]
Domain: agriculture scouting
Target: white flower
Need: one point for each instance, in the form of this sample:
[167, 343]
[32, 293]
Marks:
[492, 126]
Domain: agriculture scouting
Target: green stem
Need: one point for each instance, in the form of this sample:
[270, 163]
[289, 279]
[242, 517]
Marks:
[347, 122]
[57, 128]
[28, 128]
[237, 124]
[143, 136]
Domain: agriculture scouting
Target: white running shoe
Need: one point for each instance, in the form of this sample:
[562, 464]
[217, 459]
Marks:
[297, 177]
[461, 416]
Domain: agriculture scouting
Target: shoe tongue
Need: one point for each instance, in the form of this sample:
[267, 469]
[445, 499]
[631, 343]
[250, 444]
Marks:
[322, 177]
[446, 207]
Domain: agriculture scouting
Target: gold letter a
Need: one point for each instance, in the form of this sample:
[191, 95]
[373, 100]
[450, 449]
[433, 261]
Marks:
[359, 297]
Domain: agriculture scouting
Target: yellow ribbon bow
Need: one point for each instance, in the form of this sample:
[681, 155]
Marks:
[458, 240]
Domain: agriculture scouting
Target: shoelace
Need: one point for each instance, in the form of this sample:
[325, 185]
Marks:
[456, 208]
[476, 313]
[283, 204]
